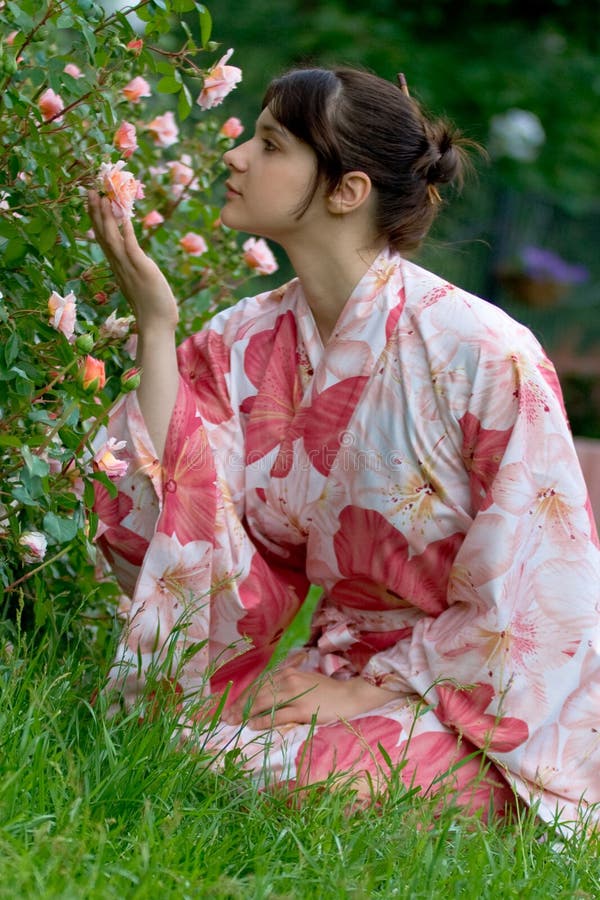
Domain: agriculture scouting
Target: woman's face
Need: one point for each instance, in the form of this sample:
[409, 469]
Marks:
[270, 176]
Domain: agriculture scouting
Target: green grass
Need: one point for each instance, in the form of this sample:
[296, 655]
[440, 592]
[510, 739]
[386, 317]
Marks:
[91, 807]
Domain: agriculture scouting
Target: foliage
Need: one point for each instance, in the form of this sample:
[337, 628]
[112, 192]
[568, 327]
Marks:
[64, 65]
[99, 808]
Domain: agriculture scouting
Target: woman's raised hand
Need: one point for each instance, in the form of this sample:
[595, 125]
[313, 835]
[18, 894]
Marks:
[140, 279]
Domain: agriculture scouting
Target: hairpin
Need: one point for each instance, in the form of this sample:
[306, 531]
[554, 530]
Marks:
[402, 83]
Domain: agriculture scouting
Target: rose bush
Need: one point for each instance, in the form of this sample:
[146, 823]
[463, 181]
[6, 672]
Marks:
[86, 99]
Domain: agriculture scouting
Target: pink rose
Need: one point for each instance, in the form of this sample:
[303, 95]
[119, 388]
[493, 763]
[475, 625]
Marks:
[194, 244]
[137, 88]
[135, 46]
[116, 329]
[165, 130]
[63, 311]
[152, 218]
[50, 105]
[232, 128]
[73, 70]
[107, 462]
[35, 544]
[125, 139]
[258, 256]
[93, 375]
[219, 82]
[120, 187]
[181, 176]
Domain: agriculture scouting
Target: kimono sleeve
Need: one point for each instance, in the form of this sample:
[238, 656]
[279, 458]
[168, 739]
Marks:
[179, 496]
[517, 650]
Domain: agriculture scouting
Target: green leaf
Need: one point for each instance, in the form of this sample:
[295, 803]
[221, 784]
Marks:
[47, 238]
[14, 165]
[60, 528]
[181, 6]
[169, 85]
[11, 348]
[35, 465]
[184, 103]
[205, 25]
[14, 251]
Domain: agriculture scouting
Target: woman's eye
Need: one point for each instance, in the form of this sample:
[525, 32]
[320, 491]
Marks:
[268, 145]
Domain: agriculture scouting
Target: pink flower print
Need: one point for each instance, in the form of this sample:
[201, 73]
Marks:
[394, 314]
[164, 130]
[271, 601]
[63, 312]
[136, 89]
[270, 364]
[189, 477]
[463, 709]
[376, 278]
[374, 558]
[125, 139]
[548, 373]
[258, 256]
[204, 365]
[176, 578]
[343, 360]
[356, 748]
[438, 762]
[326, 419]
[475, 565]
[547, 488]
[111, 512]
[482, 453]
[219, 82]
[580, 718]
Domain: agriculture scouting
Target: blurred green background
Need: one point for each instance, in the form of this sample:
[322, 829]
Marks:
[521, 79]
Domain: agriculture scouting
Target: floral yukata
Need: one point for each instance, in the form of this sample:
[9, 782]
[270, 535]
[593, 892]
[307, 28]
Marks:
[419, 469]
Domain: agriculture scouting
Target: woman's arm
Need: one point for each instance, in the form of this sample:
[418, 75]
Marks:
[155, 309]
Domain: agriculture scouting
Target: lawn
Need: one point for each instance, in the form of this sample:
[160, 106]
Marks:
[92, 806]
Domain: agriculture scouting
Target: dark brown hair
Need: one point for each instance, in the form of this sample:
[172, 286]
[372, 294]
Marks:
[356, 121]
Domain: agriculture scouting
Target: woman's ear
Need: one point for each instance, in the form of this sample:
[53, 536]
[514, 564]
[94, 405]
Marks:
[351, 193]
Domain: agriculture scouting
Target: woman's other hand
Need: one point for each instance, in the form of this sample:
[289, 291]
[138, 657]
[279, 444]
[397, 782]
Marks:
[290, 695]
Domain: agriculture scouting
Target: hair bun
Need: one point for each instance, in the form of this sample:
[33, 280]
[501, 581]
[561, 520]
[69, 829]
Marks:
[443, 160]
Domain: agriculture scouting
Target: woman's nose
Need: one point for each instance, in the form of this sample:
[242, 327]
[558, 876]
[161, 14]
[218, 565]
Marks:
[234, 159]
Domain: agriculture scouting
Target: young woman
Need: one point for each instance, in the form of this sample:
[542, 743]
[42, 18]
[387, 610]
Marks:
[374, 430]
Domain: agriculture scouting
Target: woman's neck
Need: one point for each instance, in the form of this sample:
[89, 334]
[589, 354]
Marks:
[328, 275]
